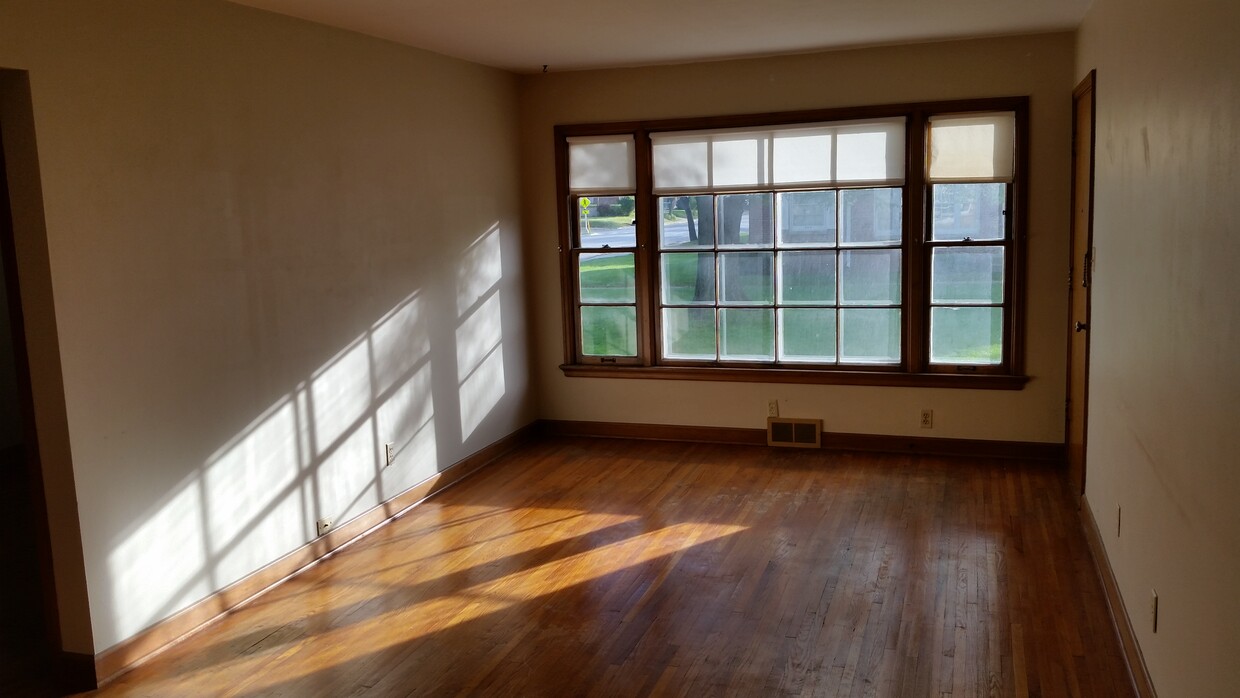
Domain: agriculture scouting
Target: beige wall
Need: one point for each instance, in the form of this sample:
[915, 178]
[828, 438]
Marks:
[1165, 380]
[273, 248]
[1039, 66]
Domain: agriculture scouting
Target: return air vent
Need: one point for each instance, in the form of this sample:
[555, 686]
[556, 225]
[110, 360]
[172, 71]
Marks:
[794, 433]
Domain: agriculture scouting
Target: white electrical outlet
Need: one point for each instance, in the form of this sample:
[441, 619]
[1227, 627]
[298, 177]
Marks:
[325, 525]
[772, 408]
[927, 419]
[389, 453]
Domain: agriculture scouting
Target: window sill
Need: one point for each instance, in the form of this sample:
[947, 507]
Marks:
[787, 375]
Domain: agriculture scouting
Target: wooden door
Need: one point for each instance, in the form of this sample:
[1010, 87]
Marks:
[1079, 281]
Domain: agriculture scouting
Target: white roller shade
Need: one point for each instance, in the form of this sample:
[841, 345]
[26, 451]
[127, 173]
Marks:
[803, 156]
[870, 153]
[602, 164]
[972, 147]
[813, 154]
[740, 160]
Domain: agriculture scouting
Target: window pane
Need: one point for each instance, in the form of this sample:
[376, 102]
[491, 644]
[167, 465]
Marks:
[870, 277]
[602, 162]
[686, 221]
[689, 333]
[609, 330]
[972, 146]
[807, 218]
[807, 277]
[870, 152]
[706, 159]
[606, 221]
[966, 335]
[606, 278]
[688, 278]
[807, 334]
[870, 335]
[746, 278]
[680, 162]
[972, 211]
[802, 155]
[745, 220]
[966, 275]
[871, 216]
[739, 160]
[748, 334]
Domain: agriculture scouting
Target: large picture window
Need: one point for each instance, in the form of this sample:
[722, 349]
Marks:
[881, 247]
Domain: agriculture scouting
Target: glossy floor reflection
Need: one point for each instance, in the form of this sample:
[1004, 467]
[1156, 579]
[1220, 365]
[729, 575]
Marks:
[610, 567]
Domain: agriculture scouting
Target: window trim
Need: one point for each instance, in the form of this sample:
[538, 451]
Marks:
[915, 368]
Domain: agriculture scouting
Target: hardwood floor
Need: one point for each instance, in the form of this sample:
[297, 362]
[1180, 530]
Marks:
[626, 568]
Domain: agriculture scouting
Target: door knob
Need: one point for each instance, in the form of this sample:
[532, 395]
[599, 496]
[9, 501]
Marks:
[1081, 327]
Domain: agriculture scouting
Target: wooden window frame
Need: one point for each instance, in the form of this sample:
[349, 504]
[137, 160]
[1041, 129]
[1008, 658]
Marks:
[914, 368]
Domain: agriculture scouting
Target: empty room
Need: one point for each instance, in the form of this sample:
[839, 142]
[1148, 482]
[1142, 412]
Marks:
[399, 347]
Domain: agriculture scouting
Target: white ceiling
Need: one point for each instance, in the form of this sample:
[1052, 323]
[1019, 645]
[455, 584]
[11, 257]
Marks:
[523, 35]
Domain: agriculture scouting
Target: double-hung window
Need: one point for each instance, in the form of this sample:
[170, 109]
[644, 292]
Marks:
[871, 246]
[970, 178]
[779, 246]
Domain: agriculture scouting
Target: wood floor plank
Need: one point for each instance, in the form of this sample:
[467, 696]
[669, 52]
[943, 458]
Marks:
[628, 568]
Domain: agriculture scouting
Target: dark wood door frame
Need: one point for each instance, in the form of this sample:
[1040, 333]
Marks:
[25, 400]
[1080, 272]
[40, 386]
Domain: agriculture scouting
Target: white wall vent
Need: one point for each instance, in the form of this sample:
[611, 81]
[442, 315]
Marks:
[794, 433]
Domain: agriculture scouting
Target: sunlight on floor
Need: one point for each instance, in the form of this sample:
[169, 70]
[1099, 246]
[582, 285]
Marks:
[548, 551]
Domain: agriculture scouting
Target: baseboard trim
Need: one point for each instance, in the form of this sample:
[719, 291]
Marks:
[1133, 658]
[150, 642]
[654, 432]
[835, 441]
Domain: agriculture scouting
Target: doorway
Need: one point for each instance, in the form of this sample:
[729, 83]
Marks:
[1080, 280]
[26, 643]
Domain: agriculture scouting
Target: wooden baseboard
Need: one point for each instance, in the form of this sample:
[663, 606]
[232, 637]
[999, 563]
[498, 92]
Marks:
[1115, 605]
[835, 441]
[654, 432]
[127, 654]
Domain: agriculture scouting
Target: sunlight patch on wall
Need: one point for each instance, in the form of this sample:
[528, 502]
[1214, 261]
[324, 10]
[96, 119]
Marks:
[256, 479]
[318, 452]
[409, 411]
[481, 269]
[479, 350]
[399, 341]
[346, 475]
[480, 364]
[159, 566]
[340, 394]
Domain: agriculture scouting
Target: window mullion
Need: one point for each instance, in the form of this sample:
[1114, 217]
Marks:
[916, 258]
[646, 280]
